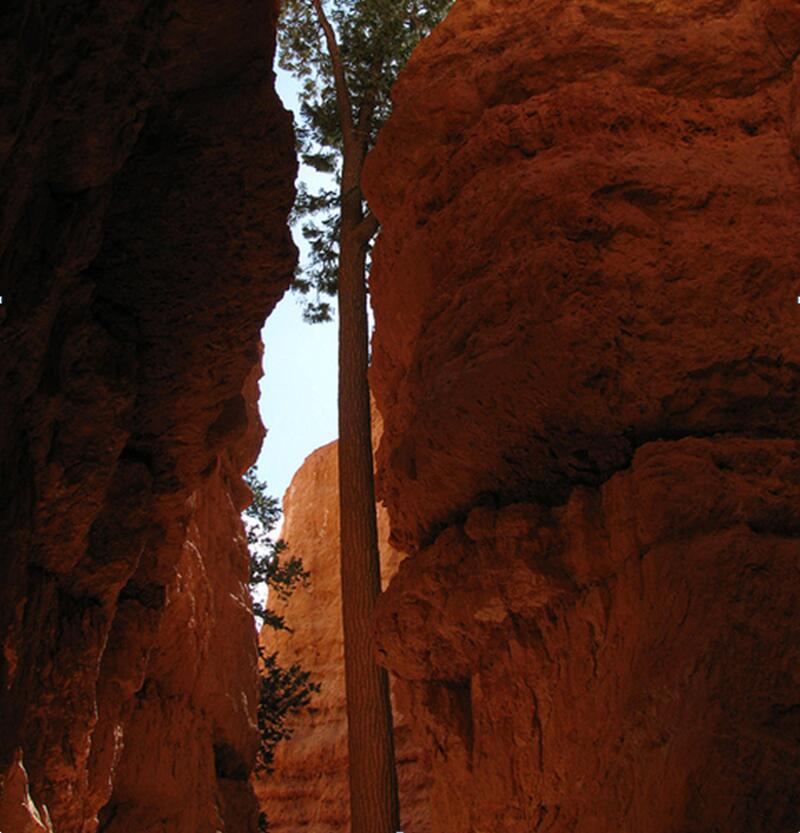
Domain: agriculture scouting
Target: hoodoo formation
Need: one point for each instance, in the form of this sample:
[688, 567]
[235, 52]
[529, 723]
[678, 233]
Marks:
[147, 172]
[308, 791]
[586, 356]
[587, 362]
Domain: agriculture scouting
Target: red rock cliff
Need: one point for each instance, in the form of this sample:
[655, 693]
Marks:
[587, 358]
[147, 171]
[308, 790]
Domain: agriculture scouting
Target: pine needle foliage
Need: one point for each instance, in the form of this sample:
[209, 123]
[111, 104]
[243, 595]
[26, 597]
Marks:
[375, 39]
[268, 567]
[283, 692]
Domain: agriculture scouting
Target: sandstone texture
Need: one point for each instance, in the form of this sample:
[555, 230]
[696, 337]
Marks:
[309, 791]
[587, 357]
[147, 170]
[589, 212]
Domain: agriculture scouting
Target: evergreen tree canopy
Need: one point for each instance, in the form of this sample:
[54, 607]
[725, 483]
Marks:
[374, 40]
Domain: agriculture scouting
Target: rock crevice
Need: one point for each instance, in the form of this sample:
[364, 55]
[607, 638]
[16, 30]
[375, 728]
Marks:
[309, 789]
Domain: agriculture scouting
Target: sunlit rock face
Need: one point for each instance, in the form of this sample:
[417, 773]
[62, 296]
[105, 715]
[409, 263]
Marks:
[588, 212]
[586, 357]
[308, 792]
[147, 174]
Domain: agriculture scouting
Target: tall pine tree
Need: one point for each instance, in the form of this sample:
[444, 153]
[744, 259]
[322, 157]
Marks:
[347, 54]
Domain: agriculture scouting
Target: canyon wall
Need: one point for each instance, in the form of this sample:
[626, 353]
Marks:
[147, 173]
[308, 791]
[587, 358]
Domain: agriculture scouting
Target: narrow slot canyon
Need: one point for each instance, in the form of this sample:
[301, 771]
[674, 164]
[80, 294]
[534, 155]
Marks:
[585, 371]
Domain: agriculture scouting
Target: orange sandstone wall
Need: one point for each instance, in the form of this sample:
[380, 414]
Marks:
[587, 359]
[308, 790]
[147, 170]
[587, 213]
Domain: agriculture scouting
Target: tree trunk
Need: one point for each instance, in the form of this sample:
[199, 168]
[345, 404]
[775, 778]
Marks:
[374, 804]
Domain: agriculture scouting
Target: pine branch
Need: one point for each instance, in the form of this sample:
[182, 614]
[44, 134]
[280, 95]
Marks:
[340, 80]
[369, 101]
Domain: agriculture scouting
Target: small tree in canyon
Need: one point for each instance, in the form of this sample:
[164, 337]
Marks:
[347, 53]
[283, 691]
[268, 568]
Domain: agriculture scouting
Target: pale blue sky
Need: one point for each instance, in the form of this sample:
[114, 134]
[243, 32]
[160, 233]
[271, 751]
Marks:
[298, 391]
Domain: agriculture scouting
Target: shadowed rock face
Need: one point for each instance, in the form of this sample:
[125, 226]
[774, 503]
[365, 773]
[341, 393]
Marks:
[147, 171]
[309, 791]
[587, 358]
[627, 661]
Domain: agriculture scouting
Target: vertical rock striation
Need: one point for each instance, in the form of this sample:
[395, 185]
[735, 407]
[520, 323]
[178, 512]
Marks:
[587, 358]
[308, 790]
[147, 170]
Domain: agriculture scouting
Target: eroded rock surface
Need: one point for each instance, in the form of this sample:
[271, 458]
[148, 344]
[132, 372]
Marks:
[587, 214]
[147, 171]
[587, 358]
[308, 791]
[627, 661]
